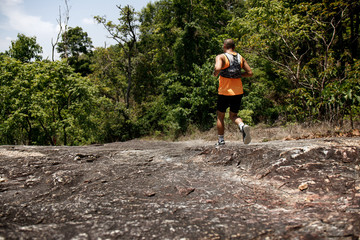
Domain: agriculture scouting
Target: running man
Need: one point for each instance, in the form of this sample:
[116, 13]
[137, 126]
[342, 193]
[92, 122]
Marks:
[228, 65]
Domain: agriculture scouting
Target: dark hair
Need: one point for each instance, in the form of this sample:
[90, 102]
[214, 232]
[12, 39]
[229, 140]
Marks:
[229, 43]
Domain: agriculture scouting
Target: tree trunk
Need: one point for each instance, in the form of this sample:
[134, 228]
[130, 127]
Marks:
[354, 30]
[129, 80]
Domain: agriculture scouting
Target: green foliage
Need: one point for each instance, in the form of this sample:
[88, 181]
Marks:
[338, 100]
[246, 116]
[76, 48]
[157, 79]
[74, 43]
[25, 49]
[342, 98]
[45, 103]
[302, 42]
[115, 122]
[201, 95]
[109, 74]
[125, 33]
[152, 115]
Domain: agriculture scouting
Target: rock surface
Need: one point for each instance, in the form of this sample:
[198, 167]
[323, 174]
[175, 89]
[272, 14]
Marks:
[304, 189]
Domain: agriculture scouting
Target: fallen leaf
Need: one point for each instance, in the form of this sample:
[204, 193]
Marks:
[356, 132]
[303, 186]
[150, 193]
[185, 191]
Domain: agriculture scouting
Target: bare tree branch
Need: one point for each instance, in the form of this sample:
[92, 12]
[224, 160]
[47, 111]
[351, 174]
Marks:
[63, 26]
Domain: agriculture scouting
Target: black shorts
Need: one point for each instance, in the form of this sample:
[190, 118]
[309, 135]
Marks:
[229, 101]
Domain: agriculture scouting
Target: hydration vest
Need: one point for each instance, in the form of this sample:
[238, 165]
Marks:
[234, 70]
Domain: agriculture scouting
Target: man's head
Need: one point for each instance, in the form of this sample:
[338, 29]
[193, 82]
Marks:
[229, 44]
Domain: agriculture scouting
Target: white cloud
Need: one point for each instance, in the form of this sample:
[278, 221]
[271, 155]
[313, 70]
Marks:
[18, 20]
[31, 25]
[24, 23]
[88, 21]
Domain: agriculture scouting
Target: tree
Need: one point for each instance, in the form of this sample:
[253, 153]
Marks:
[25, 49]
[354, 15]
[76, 47]
[45, 103]
[125, 34]
[108, 74]
[307, 43]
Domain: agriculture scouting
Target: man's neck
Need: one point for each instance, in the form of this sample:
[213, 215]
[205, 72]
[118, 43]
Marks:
[231, 51]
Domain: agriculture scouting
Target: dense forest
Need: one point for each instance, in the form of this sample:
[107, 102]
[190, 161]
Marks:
[157, 79]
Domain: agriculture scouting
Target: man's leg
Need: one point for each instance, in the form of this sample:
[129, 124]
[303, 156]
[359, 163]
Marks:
[220, 128]
[245, 129]
[234, 109]
[234, 117]
[222, 105]
[220, 123]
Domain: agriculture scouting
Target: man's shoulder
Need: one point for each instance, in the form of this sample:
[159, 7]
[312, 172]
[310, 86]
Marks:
[221, 56]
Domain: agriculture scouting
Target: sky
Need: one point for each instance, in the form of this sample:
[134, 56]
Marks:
[38, 18]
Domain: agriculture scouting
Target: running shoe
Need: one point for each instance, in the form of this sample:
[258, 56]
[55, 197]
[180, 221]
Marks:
[246, 134]
[219, 143]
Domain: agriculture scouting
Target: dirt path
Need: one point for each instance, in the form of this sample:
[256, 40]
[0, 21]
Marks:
[183, 190]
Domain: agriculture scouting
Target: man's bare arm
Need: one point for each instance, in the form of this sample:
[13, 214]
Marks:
[248, 72]
[218, 65]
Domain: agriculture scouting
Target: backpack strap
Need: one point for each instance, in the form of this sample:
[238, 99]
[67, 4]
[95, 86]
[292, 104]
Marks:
[240, 58]
[227, 57]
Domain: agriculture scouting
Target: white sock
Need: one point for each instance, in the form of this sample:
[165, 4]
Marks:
[241, 125]
[221, 138]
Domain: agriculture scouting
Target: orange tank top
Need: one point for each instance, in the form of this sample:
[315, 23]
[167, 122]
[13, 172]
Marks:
[230, 86]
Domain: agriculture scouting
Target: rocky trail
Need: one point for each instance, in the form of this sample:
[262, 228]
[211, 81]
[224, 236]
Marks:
[300, 189]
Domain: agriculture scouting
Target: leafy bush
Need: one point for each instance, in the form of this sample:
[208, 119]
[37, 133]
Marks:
[45, 103]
